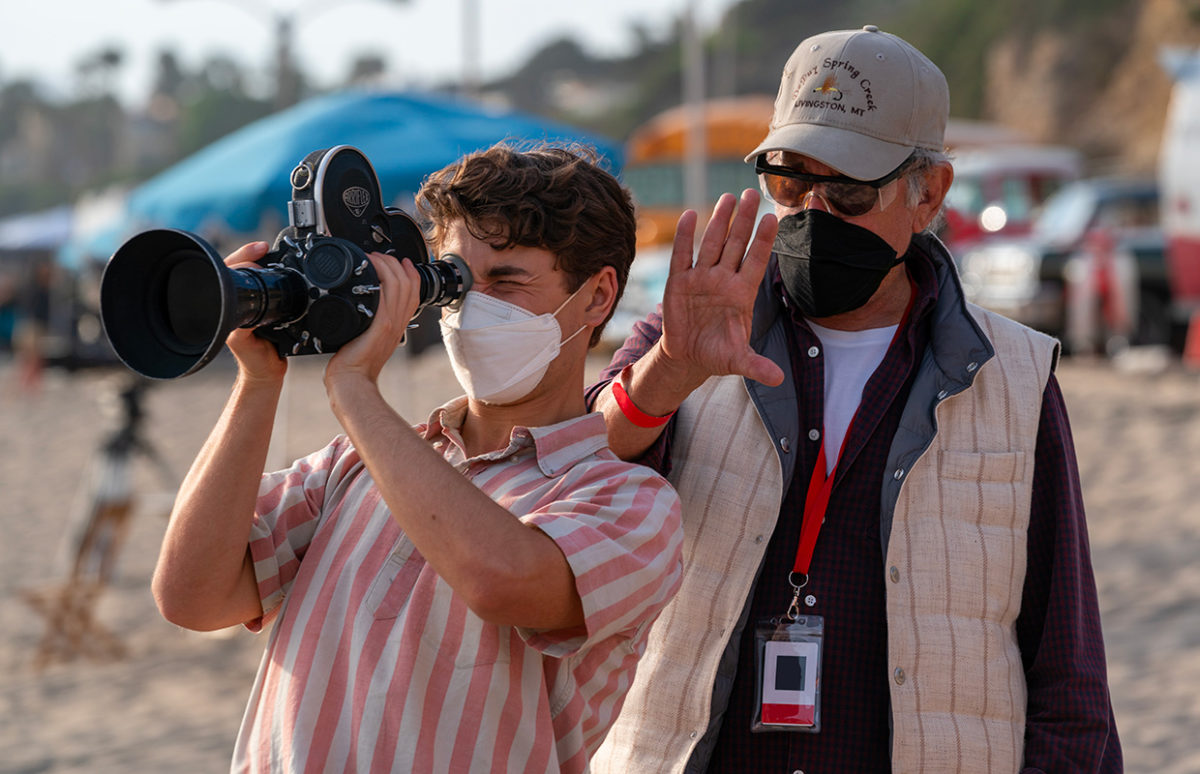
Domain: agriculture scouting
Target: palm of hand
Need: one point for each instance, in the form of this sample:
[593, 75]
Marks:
[707, 312]
[708, 303]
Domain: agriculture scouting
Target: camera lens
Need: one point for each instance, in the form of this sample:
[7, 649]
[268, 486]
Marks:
[168, 301]
[444, 281]
[190, 303]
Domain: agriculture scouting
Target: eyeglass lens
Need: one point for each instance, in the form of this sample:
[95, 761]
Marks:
[848, 198]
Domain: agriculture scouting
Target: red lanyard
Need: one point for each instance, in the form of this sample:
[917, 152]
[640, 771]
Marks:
[820, 487]
[816, 502]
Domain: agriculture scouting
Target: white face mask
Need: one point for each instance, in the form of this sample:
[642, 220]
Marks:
[499, 351]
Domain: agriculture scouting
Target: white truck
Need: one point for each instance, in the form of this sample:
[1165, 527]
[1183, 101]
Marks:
[1179, 178]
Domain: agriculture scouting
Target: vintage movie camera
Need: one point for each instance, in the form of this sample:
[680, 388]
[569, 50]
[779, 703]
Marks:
[168, 301]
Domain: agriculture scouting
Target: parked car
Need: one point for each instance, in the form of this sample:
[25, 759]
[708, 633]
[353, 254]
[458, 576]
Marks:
[1092, 270]
[998, 189]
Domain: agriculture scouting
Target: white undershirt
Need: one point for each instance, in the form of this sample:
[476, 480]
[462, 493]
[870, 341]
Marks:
[850, 359]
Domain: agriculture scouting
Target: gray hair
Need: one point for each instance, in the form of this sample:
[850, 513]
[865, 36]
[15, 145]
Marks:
[916, 171]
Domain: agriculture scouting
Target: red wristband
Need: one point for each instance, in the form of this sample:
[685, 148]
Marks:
[632, 412]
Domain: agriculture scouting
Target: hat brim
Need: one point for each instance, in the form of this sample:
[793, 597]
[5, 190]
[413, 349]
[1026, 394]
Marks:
[850, 153]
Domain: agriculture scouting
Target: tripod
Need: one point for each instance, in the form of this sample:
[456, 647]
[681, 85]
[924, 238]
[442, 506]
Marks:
[96, 540]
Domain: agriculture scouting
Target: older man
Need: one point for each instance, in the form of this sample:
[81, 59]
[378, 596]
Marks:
[886, 559]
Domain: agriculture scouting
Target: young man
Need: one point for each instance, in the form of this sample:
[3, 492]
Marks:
[471, 594]
[857, 446]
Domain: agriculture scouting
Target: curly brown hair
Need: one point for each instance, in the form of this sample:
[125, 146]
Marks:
[543, 196]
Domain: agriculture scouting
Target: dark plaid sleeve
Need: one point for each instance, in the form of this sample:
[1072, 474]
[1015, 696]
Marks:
[645, 333]
[1070, 724]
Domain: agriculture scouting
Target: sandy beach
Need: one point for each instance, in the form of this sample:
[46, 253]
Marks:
[172, 700]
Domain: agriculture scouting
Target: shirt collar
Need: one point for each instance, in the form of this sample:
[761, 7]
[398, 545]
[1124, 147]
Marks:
[557, 447]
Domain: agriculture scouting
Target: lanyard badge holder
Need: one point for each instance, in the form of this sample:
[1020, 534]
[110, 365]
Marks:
[788, 648]
[789, 671]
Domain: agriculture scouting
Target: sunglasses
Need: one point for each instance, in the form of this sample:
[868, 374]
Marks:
[789, 188]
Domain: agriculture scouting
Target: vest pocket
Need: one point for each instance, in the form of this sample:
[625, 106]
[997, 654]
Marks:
[984, 488]
[982, 467]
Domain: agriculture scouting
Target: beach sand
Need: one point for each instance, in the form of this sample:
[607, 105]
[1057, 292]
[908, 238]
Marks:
[173, 700]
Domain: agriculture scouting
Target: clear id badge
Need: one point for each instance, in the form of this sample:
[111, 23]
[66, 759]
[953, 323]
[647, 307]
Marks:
[789, 674]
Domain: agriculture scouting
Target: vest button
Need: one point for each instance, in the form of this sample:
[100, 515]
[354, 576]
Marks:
[971, 367]
[899, 474]
[942, 395]
[785, 444]
[899, 676]
[814, 434]
[894, 574]
[814, 351]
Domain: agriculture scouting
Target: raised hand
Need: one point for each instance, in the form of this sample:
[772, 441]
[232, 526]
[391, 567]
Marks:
[708, 302]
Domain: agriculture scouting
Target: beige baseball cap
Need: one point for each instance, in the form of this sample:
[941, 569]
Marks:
[860, 101]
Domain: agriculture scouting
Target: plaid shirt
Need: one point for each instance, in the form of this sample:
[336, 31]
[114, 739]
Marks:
[1058, 629]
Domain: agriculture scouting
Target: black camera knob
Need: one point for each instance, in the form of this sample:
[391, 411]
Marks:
[328, 263]
[332, 321]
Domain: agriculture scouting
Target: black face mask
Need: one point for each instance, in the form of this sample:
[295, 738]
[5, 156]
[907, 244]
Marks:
[830, 266]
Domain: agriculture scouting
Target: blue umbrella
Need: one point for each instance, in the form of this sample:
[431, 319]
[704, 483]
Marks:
[240, 183]
[45, 230]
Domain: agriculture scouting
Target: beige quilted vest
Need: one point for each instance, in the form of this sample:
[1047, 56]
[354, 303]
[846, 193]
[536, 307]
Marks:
[730, 482]
[956, 569]
[730, 492]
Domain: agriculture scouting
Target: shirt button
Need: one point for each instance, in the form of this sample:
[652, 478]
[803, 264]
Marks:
[758, 539]
[971, 367]
[692, 735]
[942, 395]
[814, 434]
[894, 574]
[785, 444]
[814, 351]
[898, 675]
[899, 474]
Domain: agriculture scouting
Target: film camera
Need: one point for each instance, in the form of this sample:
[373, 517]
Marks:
[168, 301]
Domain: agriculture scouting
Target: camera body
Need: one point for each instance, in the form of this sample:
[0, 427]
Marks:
[337, 216]
[168, 301]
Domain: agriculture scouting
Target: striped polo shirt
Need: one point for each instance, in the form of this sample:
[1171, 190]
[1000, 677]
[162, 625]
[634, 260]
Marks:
[374, 664]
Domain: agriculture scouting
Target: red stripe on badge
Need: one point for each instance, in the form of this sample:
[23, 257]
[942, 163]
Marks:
[788, 714]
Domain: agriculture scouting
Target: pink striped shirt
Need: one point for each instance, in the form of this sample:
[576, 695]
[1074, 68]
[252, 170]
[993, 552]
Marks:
[375, 665]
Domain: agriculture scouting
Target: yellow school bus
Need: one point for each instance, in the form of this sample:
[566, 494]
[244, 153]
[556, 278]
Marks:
[655, 155]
